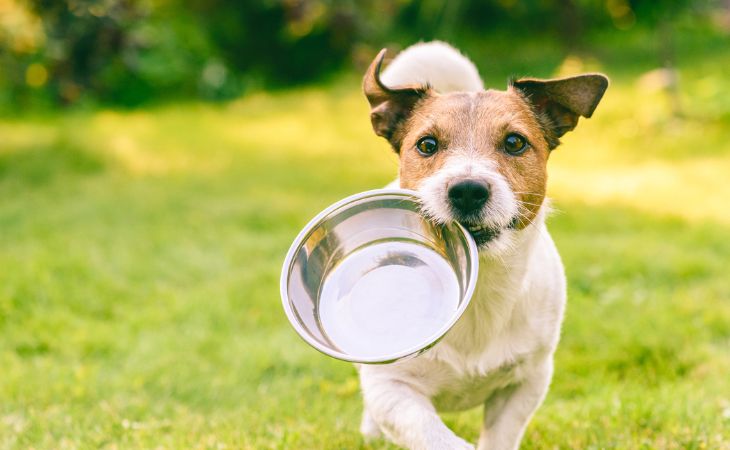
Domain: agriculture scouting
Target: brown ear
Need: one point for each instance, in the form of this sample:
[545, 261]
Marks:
[561, 101]
[389, 107]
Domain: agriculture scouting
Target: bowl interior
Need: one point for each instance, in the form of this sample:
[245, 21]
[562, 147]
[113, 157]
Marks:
[371, 280]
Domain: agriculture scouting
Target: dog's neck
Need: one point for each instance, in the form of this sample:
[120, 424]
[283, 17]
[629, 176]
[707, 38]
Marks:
[503, 279]
[512, 259]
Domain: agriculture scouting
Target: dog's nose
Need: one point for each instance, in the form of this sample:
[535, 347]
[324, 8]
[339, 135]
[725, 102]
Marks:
[468, 196]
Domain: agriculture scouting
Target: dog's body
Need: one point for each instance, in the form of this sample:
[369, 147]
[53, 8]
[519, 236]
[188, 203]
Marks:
[450, 136]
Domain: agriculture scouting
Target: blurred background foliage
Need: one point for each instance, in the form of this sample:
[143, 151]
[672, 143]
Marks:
[157, 157]
[131, 52]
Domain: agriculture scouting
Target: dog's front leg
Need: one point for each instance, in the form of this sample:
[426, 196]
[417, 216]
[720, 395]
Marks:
[507, 412]
[406, 416]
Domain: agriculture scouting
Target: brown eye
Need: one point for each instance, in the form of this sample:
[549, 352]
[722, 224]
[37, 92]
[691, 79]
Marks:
[515, 144]
[427, 145]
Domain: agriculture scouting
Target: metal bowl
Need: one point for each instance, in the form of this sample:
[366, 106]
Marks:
[370, 280]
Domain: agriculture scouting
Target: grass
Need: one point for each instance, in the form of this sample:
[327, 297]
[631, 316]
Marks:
[140, 255]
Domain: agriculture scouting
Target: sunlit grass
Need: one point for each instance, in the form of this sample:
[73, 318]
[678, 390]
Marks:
[140, 256]
[629, 154]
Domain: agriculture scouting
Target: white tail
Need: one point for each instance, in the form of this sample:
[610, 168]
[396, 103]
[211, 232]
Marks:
[435, 63]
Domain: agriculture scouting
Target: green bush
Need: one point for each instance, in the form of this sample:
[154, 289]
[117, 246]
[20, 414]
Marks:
[127, 52]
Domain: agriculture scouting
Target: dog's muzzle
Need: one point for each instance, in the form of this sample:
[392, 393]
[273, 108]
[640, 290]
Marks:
[468, 197]
[467, 200]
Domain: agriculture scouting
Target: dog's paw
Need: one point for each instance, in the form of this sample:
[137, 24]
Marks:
[452, 443]
[369, 428]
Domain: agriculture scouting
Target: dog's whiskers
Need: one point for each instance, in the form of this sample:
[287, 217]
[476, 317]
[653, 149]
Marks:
[528, 203]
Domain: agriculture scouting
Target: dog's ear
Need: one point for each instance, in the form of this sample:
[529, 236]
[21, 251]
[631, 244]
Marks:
[389, 107]
[559, 102]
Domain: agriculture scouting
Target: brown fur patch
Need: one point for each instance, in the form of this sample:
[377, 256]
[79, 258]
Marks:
[390, 107]
[558, 103]
[477, 124]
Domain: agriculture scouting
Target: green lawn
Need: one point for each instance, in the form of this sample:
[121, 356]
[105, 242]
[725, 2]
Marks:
[140, 255]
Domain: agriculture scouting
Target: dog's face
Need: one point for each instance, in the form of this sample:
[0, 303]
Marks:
[480, 158]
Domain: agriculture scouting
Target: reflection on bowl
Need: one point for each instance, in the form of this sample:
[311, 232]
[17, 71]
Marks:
[370, 280]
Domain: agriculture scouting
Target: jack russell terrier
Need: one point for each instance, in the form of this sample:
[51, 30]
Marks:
[478, 157]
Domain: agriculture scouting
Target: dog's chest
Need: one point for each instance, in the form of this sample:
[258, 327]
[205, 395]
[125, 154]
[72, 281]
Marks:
[480, 363]
[469, 391]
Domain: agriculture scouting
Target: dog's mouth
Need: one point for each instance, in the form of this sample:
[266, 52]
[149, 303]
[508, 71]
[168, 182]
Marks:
[484, 234]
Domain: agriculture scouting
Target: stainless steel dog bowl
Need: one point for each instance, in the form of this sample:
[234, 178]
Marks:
[370, 280]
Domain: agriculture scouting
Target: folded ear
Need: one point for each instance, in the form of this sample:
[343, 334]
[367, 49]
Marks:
[561, 101]
[389, 107]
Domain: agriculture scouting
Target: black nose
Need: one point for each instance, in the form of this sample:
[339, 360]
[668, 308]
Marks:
[468, 197]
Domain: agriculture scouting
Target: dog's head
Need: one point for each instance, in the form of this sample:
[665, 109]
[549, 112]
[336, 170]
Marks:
[480, 158]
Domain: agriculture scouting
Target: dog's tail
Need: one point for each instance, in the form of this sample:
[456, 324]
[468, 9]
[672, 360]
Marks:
[435, 63]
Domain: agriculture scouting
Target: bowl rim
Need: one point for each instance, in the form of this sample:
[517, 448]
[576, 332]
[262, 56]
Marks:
[292, 316]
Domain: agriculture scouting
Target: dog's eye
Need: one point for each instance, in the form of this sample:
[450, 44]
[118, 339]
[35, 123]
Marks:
[427, 145]
[514, 144]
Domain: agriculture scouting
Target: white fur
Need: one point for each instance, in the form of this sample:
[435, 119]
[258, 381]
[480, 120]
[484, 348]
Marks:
[499, 354]
[461, 165]
[435, 63]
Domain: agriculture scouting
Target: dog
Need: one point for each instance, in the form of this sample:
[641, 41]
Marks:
[478, 157]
